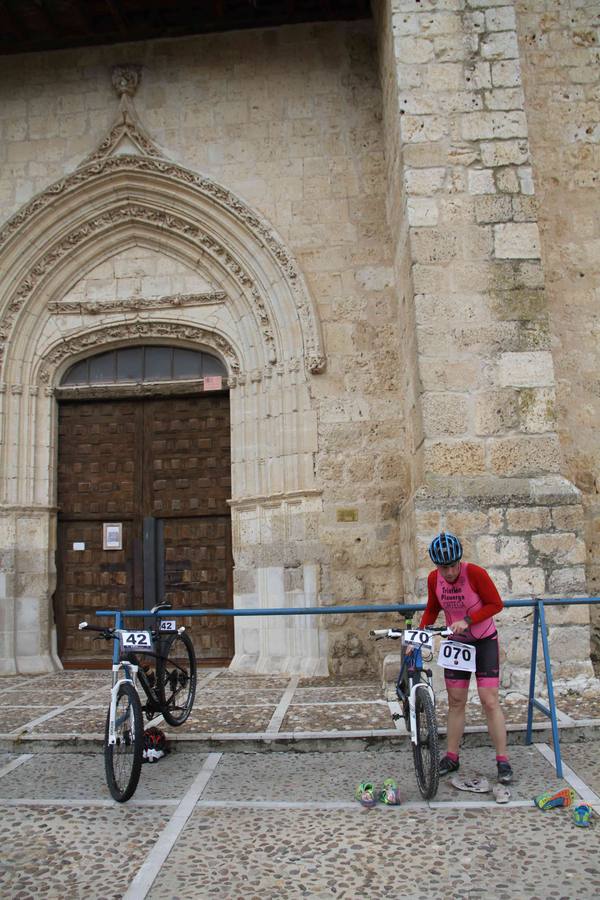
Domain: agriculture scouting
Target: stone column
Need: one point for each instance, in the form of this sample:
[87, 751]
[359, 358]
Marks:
[27, 581]
[482, 391]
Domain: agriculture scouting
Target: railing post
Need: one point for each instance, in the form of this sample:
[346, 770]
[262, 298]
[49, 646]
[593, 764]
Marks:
[116, 648]
[549, 682]
[532, 672]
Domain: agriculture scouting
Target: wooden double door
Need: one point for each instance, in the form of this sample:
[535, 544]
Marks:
[159, 472]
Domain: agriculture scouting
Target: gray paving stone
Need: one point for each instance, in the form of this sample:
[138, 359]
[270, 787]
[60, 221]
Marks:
[499, 853]
[334, 776]
[80, 776]
[73, 852]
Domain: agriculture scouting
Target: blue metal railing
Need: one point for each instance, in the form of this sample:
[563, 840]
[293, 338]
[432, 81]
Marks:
[539, 622]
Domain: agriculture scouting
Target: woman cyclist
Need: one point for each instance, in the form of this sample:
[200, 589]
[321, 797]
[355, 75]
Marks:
[469, 599]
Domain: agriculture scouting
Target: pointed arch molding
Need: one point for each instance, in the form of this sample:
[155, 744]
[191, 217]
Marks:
[86, 343]
[159, 196]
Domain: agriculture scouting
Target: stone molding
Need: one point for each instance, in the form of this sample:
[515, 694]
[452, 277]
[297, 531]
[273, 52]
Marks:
[87, 341]
[139, 213]
[133, 304]
[158, 168]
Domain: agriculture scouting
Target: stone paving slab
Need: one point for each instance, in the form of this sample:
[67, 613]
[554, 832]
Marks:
[80, 776]
[73, 852]
[62, 837]
[584, 763]
[334, 776]
[77, 720]
[13, 718]
[500, 853]
[230, 697]
[337, 717]
[231, 719]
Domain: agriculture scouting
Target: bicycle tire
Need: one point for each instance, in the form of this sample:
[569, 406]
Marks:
[176, 677]
[426, 754]
[123, 760]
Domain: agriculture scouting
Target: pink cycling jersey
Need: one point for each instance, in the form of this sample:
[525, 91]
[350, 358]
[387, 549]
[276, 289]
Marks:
[473, 594]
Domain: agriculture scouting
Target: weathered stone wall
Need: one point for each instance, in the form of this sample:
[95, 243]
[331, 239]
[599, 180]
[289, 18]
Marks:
[560, 54]
[491, 457]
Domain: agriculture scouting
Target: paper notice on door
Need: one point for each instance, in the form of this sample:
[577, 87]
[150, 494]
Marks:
[79, 545]
[213, 383]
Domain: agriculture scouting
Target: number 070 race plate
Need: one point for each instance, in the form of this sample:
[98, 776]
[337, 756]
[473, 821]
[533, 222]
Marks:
[457, 655]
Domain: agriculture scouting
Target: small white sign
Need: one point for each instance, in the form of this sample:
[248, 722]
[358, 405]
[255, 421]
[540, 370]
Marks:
[79, 545]
[112, 536]
[213, 383]
[168, 625]
[456, 655]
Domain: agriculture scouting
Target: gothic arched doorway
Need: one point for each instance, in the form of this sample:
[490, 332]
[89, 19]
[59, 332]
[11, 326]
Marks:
[144, 476]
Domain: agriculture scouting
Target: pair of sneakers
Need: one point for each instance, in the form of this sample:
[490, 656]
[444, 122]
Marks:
[368, 795]
[505, 772]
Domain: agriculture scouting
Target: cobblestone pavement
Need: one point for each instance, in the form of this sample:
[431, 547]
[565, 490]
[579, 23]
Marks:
[282, 823]
[72, 704]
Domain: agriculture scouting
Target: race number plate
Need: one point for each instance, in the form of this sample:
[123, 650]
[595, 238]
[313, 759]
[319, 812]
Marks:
[418, 638]
[167, 625]
[136, 640]
[456, 655]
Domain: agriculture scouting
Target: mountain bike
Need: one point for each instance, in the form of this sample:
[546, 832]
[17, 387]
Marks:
[415, 693]
[168, 679]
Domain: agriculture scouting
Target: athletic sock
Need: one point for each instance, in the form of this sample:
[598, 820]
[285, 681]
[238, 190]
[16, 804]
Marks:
[452, 756]
[499, 758]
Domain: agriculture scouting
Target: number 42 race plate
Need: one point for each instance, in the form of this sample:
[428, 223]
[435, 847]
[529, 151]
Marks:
[457, 655]
[136, 640]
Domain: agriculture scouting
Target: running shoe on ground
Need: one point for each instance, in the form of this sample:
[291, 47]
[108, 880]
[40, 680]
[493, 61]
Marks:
[390, 793]
[549, 800]
[505, 773]
[582, 815]
[365, 794]
[448, 765]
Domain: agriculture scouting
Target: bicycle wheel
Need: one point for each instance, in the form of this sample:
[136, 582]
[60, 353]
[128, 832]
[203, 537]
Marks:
[123, 760]
[426, 750]
[176, 677]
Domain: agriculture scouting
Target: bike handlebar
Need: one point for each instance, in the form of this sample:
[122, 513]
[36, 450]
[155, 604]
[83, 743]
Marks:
[108, 633]
[395, 633]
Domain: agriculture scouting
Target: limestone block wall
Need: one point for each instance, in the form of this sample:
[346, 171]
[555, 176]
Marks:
[456, 122]
[560, 54]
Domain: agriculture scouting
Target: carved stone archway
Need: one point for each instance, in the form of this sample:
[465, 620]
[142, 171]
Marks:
[258, 316]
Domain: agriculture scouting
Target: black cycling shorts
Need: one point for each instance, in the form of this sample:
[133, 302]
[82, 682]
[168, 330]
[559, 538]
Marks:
[487, 665]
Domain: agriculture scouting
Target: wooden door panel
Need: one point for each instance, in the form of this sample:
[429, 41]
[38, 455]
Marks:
[90, 579]
[188, 456]
[123, 460]
[198, 576]
[96, 469]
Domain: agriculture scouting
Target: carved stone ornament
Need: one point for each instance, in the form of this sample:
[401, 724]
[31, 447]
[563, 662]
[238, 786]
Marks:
[133, 304]
[105, 167]
[126, 79]
[114, 334]
[149, 215]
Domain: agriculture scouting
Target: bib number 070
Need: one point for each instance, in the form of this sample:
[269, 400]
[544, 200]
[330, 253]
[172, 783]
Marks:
[457, 655]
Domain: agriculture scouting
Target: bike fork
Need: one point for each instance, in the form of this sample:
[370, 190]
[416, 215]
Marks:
[130, 675]
[412, 703]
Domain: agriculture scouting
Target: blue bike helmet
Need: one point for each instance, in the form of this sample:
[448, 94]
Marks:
[445, 549]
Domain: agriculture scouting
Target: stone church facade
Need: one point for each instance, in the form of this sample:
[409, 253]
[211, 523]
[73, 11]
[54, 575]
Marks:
[387, 233]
